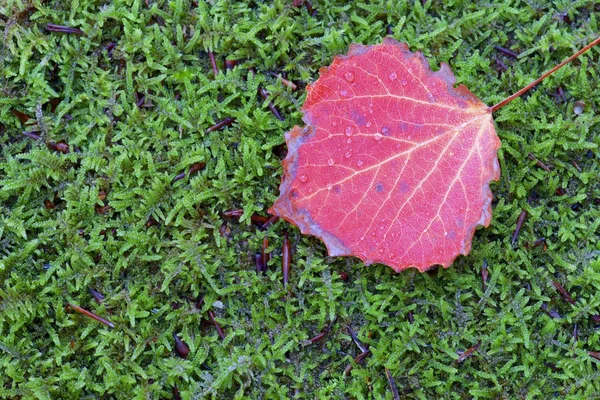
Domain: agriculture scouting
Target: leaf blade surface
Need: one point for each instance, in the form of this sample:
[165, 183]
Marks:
[394, 163]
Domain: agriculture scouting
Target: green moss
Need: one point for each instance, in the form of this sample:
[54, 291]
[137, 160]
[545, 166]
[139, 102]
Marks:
[152, 274]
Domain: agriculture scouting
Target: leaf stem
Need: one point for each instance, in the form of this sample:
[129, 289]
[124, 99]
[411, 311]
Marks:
[544, 76]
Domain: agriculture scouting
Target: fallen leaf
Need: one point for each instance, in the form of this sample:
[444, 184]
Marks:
[394, 162]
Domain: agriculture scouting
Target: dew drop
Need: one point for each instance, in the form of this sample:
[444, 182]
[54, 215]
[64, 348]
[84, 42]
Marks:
[410, 70]
[330, 162]
[362, 238]
[348, 154]
[334, 123]
[310, 190]
[384, 130]
[349, 141]
[343, 93]
[381, 228]
[348, 131]
[381, 251]
[404, 81]
[430, 98]
[378, 136]
[303, 178]
[349, 76]
[393, 76]
[359, 163]
[368, 124]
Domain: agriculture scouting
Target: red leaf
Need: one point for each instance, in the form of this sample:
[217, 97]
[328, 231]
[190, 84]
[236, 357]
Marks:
[394, 162]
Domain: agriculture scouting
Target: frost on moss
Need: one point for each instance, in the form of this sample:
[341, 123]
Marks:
[133, 96]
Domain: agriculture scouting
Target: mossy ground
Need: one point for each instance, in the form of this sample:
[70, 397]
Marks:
[151, 274]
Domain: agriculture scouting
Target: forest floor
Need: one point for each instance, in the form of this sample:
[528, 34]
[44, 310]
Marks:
[106, 106]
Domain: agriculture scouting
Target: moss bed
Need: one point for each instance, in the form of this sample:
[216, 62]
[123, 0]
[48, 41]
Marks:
[133, 94]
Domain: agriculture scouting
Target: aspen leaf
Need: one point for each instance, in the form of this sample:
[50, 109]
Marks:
[394, 163]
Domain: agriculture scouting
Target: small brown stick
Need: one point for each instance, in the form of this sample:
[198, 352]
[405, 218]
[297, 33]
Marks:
[538, 162]
[22, 116]
[236, 213]
[323, 333]
[64, 29]
[230, 64]
[393, 388]
[217, 326]
[560, 192]
[520, 222]
[577, 166]
[33, 135]
[102, 209]
[91, 315]
[501, 67]
[182, 348]
[356, 341]
[286, 258]
[468, 353]
[595, 354]
[285, 82]
[563, 292]
[484, 273]
[61, 147]
[151, 222]
[175, 390]
[99, 297]
[265, 95]
[270, 221]
[551, 313]
[220, 125]
[506, 52]
[258, 262]
[213, 62]
[196, 167]
[358, 359]
[544, 76]
[258, 220]
[178, 177]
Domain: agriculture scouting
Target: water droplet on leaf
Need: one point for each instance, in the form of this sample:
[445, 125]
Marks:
[349, 76]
